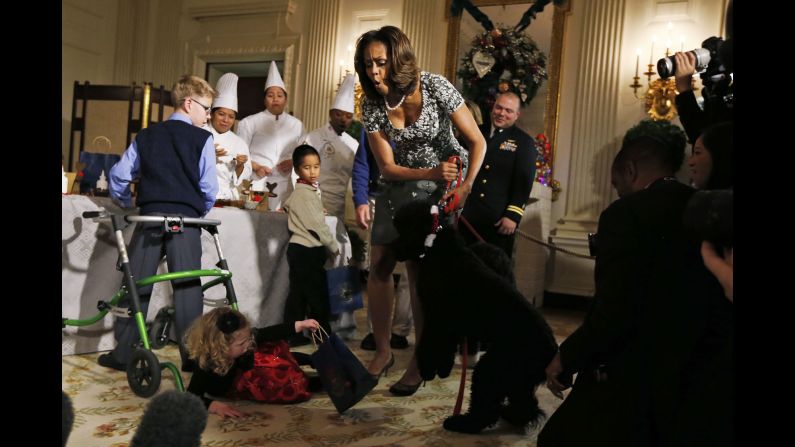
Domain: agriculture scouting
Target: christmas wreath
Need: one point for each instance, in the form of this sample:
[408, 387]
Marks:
[502, 60]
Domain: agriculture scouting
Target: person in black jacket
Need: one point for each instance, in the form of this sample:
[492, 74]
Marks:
[502, 187]
[629, 351]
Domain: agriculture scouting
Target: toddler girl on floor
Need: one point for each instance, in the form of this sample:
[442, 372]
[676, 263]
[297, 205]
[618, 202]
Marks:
[222, 343]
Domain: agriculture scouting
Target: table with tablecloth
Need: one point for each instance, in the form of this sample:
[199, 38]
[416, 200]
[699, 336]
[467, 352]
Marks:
[254, 244]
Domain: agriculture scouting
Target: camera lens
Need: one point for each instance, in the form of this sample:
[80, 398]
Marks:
[666, 66]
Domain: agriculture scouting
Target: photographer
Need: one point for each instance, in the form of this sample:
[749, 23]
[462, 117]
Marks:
[711, 163]
[705, 415]
[710, 211]
[717, 91]
[718, 85]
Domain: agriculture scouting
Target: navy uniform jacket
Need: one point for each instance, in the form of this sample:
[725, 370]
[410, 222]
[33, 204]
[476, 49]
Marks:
[502, 187]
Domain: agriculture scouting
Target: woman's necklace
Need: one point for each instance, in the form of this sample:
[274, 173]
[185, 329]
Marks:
[392, 109]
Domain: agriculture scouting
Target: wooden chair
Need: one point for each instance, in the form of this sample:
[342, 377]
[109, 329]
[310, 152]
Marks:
[99, 115]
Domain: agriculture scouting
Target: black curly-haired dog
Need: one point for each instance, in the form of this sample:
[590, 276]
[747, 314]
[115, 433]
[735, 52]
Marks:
[470, 292]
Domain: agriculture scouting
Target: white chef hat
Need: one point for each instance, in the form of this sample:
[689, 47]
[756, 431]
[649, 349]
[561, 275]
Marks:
[274, 78]
[344, 99]
[227, 92]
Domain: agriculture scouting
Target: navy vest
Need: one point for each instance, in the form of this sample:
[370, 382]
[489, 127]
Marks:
[169, 154]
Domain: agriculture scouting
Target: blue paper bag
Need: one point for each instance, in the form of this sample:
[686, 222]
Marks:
[344, 377]
[344, 289]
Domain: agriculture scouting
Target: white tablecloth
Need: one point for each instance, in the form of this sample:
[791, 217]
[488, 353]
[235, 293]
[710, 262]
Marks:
[254, 244]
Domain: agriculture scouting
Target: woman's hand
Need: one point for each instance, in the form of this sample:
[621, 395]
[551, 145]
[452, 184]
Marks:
[310, 324]
[241, 158]
[285, 166]
[445, 171]
[462, 192]
[685, 68]
[219, 152]
[363, 216]
[260, 170]
[225, 410]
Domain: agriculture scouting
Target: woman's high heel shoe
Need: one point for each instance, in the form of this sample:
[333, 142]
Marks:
[401, 389]
[385, 369]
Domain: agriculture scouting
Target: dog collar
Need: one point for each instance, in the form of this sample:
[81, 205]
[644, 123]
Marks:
[435, 227]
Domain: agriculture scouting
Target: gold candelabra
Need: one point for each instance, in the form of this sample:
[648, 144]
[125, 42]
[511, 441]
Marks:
[660, 97]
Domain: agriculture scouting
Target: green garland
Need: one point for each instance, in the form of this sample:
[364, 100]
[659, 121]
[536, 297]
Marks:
[519, 66]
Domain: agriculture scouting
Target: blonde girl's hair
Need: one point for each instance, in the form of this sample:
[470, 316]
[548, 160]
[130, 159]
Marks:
[189, 86]
[207, 345]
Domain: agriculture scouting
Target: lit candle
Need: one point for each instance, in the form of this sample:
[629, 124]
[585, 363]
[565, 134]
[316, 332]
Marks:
[637, 61]
[682, 45]
[668, 45]
[651, 53]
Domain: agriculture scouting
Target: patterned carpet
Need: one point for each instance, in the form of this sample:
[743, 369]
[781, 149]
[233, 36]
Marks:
[107, 413]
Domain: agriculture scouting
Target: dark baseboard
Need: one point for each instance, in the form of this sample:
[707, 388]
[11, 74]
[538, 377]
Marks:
[565, 301]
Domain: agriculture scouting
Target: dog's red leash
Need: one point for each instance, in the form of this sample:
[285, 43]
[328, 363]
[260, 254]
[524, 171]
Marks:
[449, 207]
[471, 228]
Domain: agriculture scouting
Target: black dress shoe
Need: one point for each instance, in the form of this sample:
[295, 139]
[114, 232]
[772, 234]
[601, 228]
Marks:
[368, 342]
[108, 361]
[397, 342]
[385, 369]
[401, 389]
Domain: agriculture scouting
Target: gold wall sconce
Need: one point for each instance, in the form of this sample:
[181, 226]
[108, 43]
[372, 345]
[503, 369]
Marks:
[660, 97]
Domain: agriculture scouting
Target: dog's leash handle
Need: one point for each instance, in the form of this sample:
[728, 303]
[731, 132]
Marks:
[449, 206]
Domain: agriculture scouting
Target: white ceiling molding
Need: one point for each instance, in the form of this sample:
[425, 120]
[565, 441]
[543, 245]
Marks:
[242, 9]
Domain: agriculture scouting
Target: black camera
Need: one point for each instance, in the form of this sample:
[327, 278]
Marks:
[709, 217]
[707, 62]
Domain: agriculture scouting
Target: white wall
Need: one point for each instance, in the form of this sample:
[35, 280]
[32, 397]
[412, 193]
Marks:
[357, 17]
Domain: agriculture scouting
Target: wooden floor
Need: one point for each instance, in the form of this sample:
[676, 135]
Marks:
[563, 321]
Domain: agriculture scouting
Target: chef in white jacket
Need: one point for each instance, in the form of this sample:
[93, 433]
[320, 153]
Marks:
[336, 149]
[232, 163]
[272, 135]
